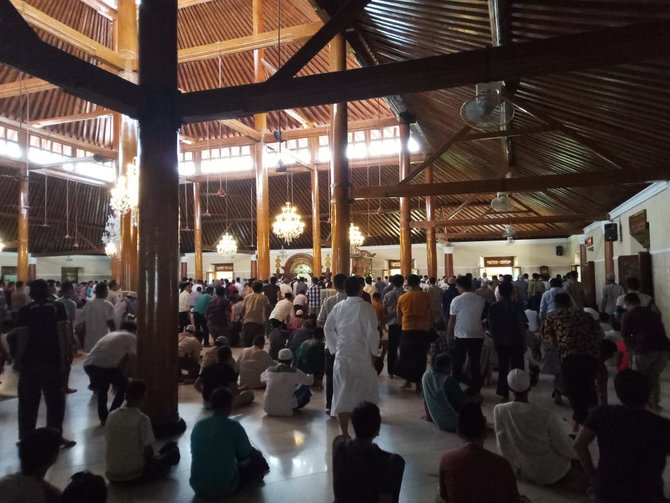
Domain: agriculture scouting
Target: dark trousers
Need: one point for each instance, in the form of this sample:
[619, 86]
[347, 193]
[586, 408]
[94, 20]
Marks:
[472, 348]
[250, 331]
[200, 323]
[330, 362]
[578, 375]
[33, 382]
[302, 395]
[184, 320]
[252, 469]
[509, 357]
[190, 366]
[395, 332]
[101, 378]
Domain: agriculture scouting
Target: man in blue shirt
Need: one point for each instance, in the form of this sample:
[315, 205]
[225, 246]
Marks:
[547, 304]
[223, 460]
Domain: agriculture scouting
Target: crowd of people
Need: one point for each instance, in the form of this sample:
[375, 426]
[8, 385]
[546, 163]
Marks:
[442, 339]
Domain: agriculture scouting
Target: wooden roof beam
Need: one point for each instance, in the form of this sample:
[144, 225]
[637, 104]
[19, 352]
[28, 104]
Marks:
[22, 49]
[24, 86]
[242, 128]
[38, 19]
[552, 219]
[344, 17]
[66, 119]
[574, 52]
[542, 233]
[295, 114]
[437, 154]
[508, 133]
[102, 8]
[289, 35]
[520, 184]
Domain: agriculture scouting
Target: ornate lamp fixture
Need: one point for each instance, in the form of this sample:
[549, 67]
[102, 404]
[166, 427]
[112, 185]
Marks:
[125, 194]
[227, 245]
[288, 224]
[356, 237]
[111, 237]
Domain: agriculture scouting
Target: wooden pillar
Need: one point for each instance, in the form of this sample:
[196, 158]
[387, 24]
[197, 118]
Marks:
[448, 264]
[431, 242]
[253, 273]
[117, 263]
[339, 168]
[262, 195]
[183, 269]
[583, 259]
[23, 226]
[197, 232]
[316, 225]
[609, 257]
[405, 215]
[126, 44]
[158, 285]
[32, 272]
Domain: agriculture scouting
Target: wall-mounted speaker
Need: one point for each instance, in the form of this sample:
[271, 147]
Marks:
[559, 251]
[611, 232]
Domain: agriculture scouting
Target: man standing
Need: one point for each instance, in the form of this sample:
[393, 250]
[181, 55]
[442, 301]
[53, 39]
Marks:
[41, 362]
[218, 312]
[352, 335]
[110, 361]
[547, 304]
[67, 299]
[98, 317]
[112, 294]
[644, 334]
[200, 313]
[465, 332]
[255, 311]
[326, 308]
[271, 291]
[314, 297]
[19, 297]
[575, 290]
[611, 292]
[393, 321]
[448, 295]
[435, 295]
[184, 305]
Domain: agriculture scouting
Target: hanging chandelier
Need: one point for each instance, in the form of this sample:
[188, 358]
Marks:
[356, 237]
[288, 224]
[227, 245]
[2, 245]
[125, 194]
[111, 237]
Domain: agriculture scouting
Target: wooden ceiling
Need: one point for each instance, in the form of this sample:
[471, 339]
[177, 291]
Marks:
[603, 119]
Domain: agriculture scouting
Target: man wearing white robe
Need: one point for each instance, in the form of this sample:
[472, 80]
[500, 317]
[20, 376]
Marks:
[352, 335]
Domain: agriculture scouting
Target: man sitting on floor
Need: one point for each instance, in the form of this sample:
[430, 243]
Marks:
[442, 394]
[532, 439]
[222, 375]
[188, 352]
[253, 362]
[278, 338]
[633, 444]
[362, 472]
[223, 460]
[472, 474]
[287, 388]
[129, 438]
[38, 451]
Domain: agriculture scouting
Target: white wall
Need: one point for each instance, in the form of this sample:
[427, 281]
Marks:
[656, 200]
[91, 267]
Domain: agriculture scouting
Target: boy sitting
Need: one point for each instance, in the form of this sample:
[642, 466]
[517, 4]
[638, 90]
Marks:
[442, 394]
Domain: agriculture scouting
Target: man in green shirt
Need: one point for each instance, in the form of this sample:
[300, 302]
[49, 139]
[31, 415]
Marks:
[223, 460]
[200, 313]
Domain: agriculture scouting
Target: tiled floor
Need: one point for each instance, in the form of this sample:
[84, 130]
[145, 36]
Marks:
[297, 448]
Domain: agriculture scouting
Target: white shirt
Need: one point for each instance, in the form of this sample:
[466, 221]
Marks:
[113, 297]
[285, 288]
[533, 320]
[468, 308]
[252, 363]
[184, 302]
[533, 441]
[300, 300]
[96, 314]
[127, 432]
[281, 381]
[282, 311]
[108, 351]
[645, 300]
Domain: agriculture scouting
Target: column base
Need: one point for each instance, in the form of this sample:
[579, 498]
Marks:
[170, 428]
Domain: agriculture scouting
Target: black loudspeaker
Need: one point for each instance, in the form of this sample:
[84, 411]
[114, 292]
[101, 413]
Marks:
[559, 251]
[611, 232]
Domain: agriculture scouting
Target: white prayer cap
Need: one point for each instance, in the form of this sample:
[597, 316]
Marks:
[518, 380]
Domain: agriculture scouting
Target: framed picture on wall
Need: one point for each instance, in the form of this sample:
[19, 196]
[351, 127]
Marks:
[69, 274]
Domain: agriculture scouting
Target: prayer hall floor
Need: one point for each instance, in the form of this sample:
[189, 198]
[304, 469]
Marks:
[298, 448]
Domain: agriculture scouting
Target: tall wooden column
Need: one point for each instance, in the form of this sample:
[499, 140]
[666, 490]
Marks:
[22, 272]
[448, 264]
[117, 265]
[609, 257]
[405, 215]
[316, 225]
[431, 242]
[197, 232]
[339, 168]
[158, 285]
[126, 45]
[262, 195]
[583, 260]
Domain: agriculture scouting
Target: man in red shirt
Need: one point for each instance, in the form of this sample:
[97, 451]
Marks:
[461, 469]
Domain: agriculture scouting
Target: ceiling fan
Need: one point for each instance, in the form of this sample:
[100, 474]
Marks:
[488, 110]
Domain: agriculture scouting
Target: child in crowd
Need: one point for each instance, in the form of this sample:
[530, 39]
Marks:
[129, 438]
[311, 357]
[278, 338]
[296, 320]
[443, 396]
